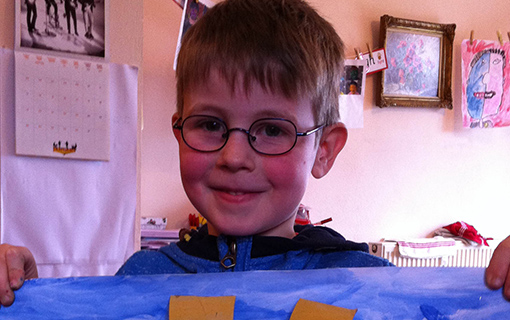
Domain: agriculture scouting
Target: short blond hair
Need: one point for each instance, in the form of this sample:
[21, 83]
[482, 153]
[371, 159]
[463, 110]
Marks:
[283, 45]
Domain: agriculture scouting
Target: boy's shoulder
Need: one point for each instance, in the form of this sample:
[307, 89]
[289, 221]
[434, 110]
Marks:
[323, 238]
[308, 237]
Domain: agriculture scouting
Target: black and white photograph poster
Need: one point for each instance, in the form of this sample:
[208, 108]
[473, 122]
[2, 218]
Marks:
[69, 26]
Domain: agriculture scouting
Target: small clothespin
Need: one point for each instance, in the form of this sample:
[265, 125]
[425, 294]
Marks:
[471, 37]
[369, 51]
[358, 54]
[500, 38]
[508, 34]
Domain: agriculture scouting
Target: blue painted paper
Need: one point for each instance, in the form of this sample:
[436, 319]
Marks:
[377, 293]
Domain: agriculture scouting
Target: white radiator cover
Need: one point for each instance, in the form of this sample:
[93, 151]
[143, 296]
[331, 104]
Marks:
[465, 256]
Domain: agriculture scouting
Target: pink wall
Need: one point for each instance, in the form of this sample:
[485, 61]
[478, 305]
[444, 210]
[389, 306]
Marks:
[408, 172]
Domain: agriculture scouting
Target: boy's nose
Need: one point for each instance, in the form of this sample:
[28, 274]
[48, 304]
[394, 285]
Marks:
[237, 154]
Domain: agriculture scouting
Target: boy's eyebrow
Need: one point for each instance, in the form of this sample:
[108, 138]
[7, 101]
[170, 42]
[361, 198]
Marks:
[203, 108]
[271, 113]
[222, 112]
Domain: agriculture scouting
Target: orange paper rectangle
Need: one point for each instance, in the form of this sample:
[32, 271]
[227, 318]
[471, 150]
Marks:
[200, 308]
[306, 309]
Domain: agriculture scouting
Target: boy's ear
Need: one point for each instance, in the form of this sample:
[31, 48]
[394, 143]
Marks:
[177, 133]
[332, 141]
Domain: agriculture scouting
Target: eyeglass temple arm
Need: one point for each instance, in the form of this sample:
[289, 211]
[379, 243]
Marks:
[309, 132]
[176, 124]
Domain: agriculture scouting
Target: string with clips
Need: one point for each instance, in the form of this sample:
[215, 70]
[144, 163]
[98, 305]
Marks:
[359, 56]
[500, 37]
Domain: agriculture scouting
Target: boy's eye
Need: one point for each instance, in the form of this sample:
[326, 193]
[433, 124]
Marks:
[272, 129]
[209, 125]
[212, 126]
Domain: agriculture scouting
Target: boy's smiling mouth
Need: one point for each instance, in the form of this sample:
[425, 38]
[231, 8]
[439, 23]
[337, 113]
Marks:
[234, 194]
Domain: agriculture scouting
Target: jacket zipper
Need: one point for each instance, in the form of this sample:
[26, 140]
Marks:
[229, 260]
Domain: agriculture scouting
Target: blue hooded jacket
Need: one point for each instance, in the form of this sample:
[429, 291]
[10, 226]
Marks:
[312, 248]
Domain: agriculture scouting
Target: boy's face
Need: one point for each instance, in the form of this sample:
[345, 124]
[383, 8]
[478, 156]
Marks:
[239, 191]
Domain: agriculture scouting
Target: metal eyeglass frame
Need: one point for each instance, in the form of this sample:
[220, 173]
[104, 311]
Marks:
[251, 138]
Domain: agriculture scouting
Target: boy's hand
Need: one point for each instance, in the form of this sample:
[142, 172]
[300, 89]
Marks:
[497, 274]
[16, 265]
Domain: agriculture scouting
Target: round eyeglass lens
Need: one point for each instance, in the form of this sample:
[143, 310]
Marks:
[273, 136]
[204, 133]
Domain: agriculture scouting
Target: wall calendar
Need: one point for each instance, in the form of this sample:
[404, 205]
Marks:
[62, 107]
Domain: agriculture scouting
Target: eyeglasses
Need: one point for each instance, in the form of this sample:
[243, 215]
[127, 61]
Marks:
[269, 136]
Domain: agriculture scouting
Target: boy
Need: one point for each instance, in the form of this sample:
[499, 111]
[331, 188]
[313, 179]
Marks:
[257, 112]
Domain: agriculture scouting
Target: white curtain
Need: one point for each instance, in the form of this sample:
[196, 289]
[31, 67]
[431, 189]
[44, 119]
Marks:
[77, 217]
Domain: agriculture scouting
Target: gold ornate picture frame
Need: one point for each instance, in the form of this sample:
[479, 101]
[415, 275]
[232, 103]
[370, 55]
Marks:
[419, 56]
